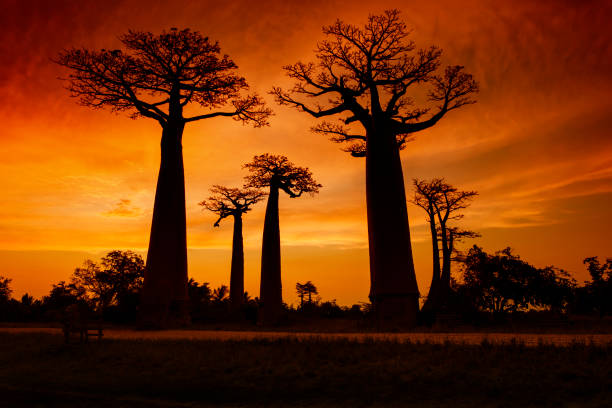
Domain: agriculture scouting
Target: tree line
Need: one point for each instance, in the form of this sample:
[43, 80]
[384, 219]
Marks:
[110, 289]
[486, 284]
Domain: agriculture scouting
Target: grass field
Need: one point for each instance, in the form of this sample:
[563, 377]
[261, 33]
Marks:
[39, 370]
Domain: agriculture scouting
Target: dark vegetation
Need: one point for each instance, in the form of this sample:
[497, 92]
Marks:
[39, 370]
[491, 291]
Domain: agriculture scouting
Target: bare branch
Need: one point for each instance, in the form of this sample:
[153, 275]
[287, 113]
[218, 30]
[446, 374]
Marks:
[158, 75]
[226, 201]
[370, 72]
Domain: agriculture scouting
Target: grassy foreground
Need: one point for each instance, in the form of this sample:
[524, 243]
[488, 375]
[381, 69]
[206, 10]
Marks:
[39, 370]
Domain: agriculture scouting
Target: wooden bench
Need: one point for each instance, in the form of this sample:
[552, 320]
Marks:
[75, 321]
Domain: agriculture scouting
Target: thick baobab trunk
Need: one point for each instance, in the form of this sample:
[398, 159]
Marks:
[237, 271]
[393, 290]
[432, 301]
[270, 292]
[164, 296]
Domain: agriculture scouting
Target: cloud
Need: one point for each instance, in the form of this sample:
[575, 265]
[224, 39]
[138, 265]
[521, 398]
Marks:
[123, 208]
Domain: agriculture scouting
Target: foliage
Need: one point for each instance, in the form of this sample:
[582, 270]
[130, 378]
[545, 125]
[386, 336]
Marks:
[596, 295]
[63, 295]
[158, 75]
[276, 170]
[5, 289]
[213, 305]
[113, 281]
[226, 201]
[306, 290]
[503, 282]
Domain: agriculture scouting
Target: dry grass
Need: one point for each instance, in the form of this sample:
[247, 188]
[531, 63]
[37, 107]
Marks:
[39, 370]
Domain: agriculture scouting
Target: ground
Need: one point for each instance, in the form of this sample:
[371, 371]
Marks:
[38, 369]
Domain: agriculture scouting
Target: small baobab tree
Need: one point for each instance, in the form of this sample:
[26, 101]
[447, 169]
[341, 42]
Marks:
[276, 173]
[156, 77]
[367, 76]
[234, 202]
[442, 203]
[306, 290]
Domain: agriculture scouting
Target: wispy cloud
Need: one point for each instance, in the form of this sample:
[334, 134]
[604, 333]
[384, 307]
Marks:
[123, 208]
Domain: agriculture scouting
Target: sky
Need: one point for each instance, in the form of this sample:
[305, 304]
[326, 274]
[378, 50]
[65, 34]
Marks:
[537, 145]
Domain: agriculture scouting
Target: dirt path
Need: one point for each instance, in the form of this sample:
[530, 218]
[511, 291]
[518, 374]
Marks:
[468, 338]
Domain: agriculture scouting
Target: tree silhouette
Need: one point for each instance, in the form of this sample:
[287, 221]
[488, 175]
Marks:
[600, 287]
[117, 276]
[157, 78]
[276, 173]
[365, 75]
[226, 202]
[503, 282]
[441, 202]
[219, 295]
[5, 289]
[306, 289]
[63, 295]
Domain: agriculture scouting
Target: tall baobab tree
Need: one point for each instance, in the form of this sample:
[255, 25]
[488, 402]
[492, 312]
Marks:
[441, 202]
[425, 195]
[276, 173]
[234, 202]
[157, 77]
[366, 76]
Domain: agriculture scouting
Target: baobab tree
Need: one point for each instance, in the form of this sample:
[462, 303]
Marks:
[442, 203]
[157, 77]
[424, 196]
[366, 76]
[276, 173]
[306, 289]
[234, 202]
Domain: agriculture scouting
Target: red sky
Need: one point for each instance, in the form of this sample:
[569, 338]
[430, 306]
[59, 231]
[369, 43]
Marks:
[537, 145]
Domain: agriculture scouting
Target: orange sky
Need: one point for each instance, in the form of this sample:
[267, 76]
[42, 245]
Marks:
[537, 145]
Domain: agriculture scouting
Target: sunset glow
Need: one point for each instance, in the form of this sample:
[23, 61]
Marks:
[537, 146]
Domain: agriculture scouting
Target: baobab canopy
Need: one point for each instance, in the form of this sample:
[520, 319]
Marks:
[180, 65]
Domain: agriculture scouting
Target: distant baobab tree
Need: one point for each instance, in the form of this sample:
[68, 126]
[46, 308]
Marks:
[441, 202]
[276, 173]
[157, 77]
[234, 202]
[366, 75]
[306, 289]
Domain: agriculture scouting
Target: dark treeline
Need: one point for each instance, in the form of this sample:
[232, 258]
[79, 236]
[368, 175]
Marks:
[487, 286]
[110, 290]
